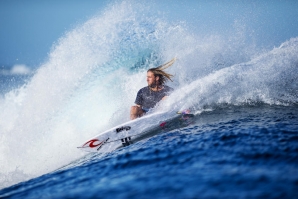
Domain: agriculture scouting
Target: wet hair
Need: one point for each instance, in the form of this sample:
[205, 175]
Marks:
[159, 71]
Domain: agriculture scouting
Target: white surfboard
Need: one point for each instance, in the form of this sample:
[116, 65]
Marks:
[136, 130]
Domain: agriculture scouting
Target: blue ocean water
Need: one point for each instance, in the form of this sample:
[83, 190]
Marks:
[230, 152]
[242, 143]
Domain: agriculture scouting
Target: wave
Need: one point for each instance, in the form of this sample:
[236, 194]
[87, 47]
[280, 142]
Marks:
[269, 78]
[94, 71]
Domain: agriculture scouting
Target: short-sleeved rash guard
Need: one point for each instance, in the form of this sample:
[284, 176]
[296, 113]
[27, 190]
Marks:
[147, 98]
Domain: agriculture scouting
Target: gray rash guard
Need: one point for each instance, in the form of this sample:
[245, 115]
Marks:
[147, 98]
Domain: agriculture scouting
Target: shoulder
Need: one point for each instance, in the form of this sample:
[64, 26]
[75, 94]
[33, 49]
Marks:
[168, 89]
[143, 90]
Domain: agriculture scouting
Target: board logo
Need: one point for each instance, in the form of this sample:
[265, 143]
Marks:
[126, 141]
[95, 143]
[122, 128]
[163, 124]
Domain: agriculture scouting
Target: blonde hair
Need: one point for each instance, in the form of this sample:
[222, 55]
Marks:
[159, 71]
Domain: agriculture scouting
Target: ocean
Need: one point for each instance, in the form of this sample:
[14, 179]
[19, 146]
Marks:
[238, 79]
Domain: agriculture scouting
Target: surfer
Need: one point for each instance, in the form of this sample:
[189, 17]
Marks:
[156, 90]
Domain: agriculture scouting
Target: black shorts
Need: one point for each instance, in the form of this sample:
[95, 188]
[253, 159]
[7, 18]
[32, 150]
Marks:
[145, 110]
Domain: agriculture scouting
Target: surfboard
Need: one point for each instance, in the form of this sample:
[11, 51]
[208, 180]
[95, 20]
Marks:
[135, 130]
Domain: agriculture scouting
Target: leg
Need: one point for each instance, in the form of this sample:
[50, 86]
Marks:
[136, 112]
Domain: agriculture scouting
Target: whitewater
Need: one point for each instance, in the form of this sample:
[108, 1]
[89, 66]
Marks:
[245, 97]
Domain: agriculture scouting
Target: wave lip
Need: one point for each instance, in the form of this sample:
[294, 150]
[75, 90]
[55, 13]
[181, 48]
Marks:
[269, 78]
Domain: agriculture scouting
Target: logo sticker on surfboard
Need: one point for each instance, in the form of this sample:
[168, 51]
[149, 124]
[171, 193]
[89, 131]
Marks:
[94, 143]
[122, 128]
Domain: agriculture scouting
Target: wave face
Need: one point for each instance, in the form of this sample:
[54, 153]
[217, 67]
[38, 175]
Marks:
[95, 70]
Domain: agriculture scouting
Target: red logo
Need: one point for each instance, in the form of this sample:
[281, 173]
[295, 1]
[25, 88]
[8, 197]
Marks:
[162, 125]
[93, 143]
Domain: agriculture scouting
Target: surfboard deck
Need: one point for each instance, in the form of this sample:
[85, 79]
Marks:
[135, 130]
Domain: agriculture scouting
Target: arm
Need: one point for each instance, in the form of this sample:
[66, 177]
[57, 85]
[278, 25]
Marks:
[136, 111]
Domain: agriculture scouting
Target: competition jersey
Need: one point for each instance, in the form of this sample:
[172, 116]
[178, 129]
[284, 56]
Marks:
[148, 98]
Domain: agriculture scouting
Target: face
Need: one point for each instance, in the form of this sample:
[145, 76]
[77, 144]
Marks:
[151, 79]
